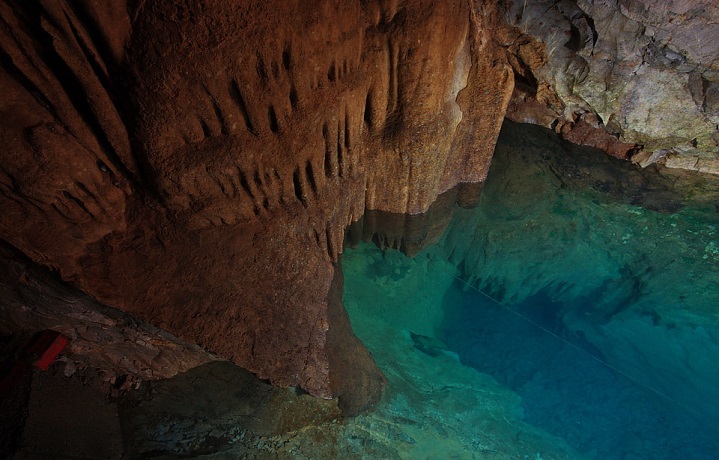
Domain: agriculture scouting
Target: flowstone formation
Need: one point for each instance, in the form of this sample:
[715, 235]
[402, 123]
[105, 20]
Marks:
[197, 163]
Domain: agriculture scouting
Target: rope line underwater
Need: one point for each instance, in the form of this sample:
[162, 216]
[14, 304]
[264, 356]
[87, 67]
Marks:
[583, 351]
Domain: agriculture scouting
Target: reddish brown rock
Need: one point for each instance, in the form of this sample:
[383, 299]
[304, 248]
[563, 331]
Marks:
[595, 135]
[538, 101]
[351, 365]
[197, 163]
[410, 233]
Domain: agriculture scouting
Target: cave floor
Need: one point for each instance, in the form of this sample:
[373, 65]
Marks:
[218, 410]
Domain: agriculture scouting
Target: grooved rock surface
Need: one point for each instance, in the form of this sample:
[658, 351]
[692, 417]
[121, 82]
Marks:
[197, 163]
[622, 75]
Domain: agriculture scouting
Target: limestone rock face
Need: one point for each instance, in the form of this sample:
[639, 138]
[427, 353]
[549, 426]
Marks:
[197, 163]
[101, 338]
[622, 75]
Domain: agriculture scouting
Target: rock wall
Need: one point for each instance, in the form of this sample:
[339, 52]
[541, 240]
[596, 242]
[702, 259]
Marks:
[197, 163]
[123, 349]
[621, 75]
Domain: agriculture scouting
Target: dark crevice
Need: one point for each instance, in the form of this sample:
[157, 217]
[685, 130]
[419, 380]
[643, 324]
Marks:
[205, 128]
[293, 97]
[78, 202]
[595, 34]
[10, 193]
[103, 168]
[261, 188]
[332, 72]
[224, 129]
[101, 74]
[274, 126]
[258, 180]
[16, 194]
[399, 84]
[528, 85]
[328, 151]
[524, 78]
[87, 191]
[339, 152]
[8, 65]
[77, 95]
[62, 214]
[219, 183]
[67, 79]
[245, 185]
[297, 183]
[311, 177]
[212, 175]
[281, 186]
[392, 77]
[330, 246]
[236, 96]
[286, 57]
[261, 70]
[368, 110]
[92, 28]
[574, 43]
[13, 181]
[235, 191]
[347, 129]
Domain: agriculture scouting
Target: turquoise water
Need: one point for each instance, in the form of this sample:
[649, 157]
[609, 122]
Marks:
[598, 411]
[587, 288]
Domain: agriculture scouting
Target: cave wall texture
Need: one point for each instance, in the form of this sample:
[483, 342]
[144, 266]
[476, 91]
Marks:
[197, 163]
[624, 76]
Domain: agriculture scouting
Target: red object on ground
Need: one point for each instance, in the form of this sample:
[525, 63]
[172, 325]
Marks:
[42, 352]
[47, 346]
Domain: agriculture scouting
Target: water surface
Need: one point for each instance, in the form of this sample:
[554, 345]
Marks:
[583, 285]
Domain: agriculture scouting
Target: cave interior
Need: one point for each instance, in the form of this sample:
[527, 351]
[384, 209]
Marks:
[366, 229]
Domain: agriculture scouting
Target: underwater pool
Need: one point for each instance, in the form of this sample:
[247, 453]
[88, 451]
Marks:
[601, 412]
[573, 314]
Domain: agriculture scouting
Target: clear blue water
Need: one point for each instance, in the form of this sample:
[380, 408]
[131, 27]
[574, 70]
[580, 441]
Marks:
[606, 281]
[565, 391]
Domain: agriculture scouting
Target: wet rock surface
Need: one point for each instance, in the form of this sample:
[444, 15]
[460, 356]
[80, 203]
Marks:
[202, 177]
[213, 408]
[210, 409]
[591, 203]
